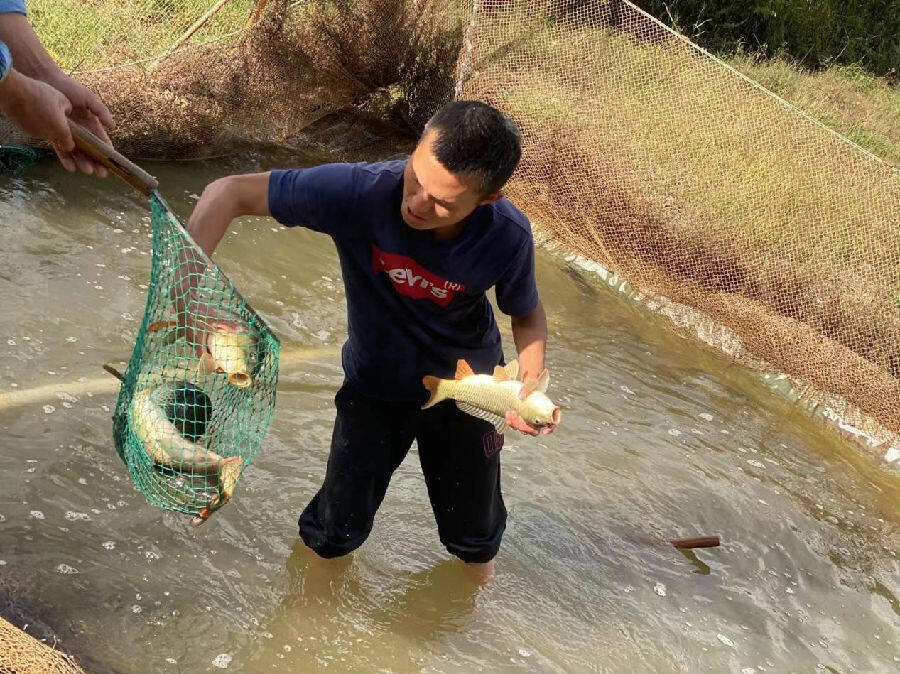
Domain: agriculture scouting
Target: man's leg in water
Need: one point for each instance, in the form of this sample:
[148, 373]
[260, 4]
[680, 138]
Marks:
[460, 458]
[369, 441]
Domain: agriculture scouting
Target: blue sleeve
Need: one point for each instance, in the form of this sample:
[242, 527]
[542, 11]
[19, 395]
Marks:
[7, 6]
[517, 293]
[322, 198]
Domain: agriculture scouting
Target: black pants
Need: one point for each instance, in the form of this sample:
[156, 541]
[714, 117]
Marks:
[460, 457]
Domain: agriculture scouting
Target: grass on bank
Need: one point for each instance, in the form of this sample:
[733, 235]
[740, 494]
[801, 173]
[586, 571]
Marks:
[88, 35]
[851, 101]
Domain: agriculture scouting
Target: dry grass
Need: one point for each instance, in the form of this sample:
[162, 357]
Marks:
[382, 60]
[86, 35]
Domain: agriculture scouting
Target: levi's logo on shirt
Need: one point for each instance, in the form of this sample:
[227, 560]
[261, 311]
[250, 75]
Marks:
[412, 279]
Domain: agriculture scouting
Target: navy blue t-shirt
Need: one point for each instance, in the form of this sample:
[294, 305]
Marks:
[414, 304]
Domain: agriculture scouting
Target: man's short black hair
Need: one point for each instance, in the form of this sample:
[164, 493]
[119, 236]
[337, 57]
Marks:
[475, 139]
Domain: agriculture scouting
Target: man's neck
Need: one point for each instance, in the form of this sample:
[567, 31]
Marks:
[449, 232]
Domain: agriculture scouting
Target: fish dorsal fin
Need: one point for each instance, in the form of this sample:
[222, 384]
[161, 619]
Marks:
[463, 369]
[512, 369]
[500, 374]
[543, 381]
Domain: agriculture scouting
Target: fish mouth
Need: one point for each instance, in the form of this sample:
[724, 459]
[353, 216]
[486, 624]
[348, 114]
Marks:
[556, 416]
[240, 379]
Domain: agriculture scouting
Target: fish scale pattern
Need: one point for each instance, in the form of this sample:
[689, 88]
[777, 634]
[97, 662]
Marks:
[198, 395]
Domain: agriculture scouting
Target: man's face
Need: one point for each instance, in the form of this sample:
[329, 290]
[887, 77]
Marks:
[433, 197]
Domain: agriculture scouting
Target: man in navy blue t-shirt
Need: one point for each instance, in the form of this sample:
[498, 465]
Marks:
[420, 243]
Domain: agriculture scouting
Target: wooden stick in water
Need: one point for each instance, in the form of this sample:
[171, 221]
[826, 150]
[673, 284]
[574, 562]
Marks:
[113, 371]
[695, 542]
[689, 543]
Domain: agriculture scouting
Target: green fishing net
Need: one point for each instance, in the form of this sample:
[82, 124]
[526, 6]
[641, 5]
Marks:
[199, 392]
[16, 158]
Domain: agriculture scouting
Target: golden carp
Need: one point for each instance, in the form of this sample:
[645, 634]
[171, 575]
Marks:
[226, 348]
[228, 476]
[490, 397]
[162, 441]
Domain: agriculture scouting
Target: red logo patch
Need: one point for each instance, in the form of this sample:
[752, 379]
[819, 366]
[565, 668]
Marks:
[412, 279]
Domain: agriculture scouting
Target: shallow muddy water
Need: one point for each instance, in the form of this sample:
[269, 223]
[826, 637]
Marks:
[660, 437]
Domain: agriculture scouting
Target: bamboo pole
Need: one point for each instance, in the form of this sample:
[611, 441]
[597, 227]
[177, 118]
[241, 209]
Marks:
[256, 13]
[197, 25]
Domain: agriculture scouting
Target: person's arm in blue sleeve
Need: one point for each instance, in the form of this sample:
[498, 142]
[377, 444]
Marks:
[321, 198]
[12, 7]
[517, 296]
[26, 100]
[516, 288]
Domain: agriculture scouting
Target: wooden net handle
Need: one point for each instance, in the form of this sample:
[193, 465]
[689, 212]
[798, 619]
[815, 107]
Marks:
[95, 148]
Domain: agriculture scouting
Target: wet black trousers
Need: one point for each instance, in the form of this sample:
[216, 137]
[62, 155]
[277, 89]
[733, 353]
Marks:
[460, 458]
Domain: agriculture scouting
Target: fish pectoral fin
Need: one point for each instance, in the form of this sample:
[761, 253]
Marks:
[539, 383]
[500, 373]
[512, 369]
[498, 422]
[161, 325]
[543, 381]
[206, 364]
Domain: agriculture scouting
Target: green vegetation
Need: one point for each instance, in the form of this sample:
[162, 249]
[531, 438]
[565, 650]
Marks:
[89, 35]
[816, 33]
[853, 102]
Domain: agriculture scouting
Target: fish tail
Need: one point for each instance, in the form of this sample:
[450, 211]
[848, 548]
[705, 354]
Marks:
[161, 325]
[433, 384]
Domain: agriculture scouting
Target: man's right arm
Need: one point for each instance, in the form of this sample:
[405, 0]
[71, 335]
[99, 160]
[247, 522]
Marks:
[224, 200]
[321, 198]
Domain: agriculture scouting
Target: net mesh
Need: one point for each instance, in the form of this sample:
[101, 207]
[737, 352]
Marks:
[275, 73]
[645, 154]
[199, 392]
[21, 653]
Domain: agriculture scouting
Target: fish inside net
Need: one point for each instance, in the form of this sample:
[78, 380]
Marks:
[199, 391]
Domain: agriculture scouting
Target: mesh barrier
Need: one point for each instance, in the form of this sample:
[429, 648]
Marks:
[645, 154]
[279, 72]
[21, 653]
[111, 33]
[199, 391]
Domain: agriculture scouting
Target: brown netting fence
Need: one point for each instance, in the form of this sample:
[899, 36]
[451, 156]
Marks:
[191, 79]
[651, 157]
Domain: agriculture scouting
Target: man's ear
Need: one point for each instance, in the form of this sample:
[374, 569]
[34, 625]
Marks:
[491, 198]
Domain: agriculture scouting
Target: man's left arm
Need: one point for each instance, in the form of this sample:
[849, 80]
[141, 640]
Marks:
[517, 296]
[530, 336]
